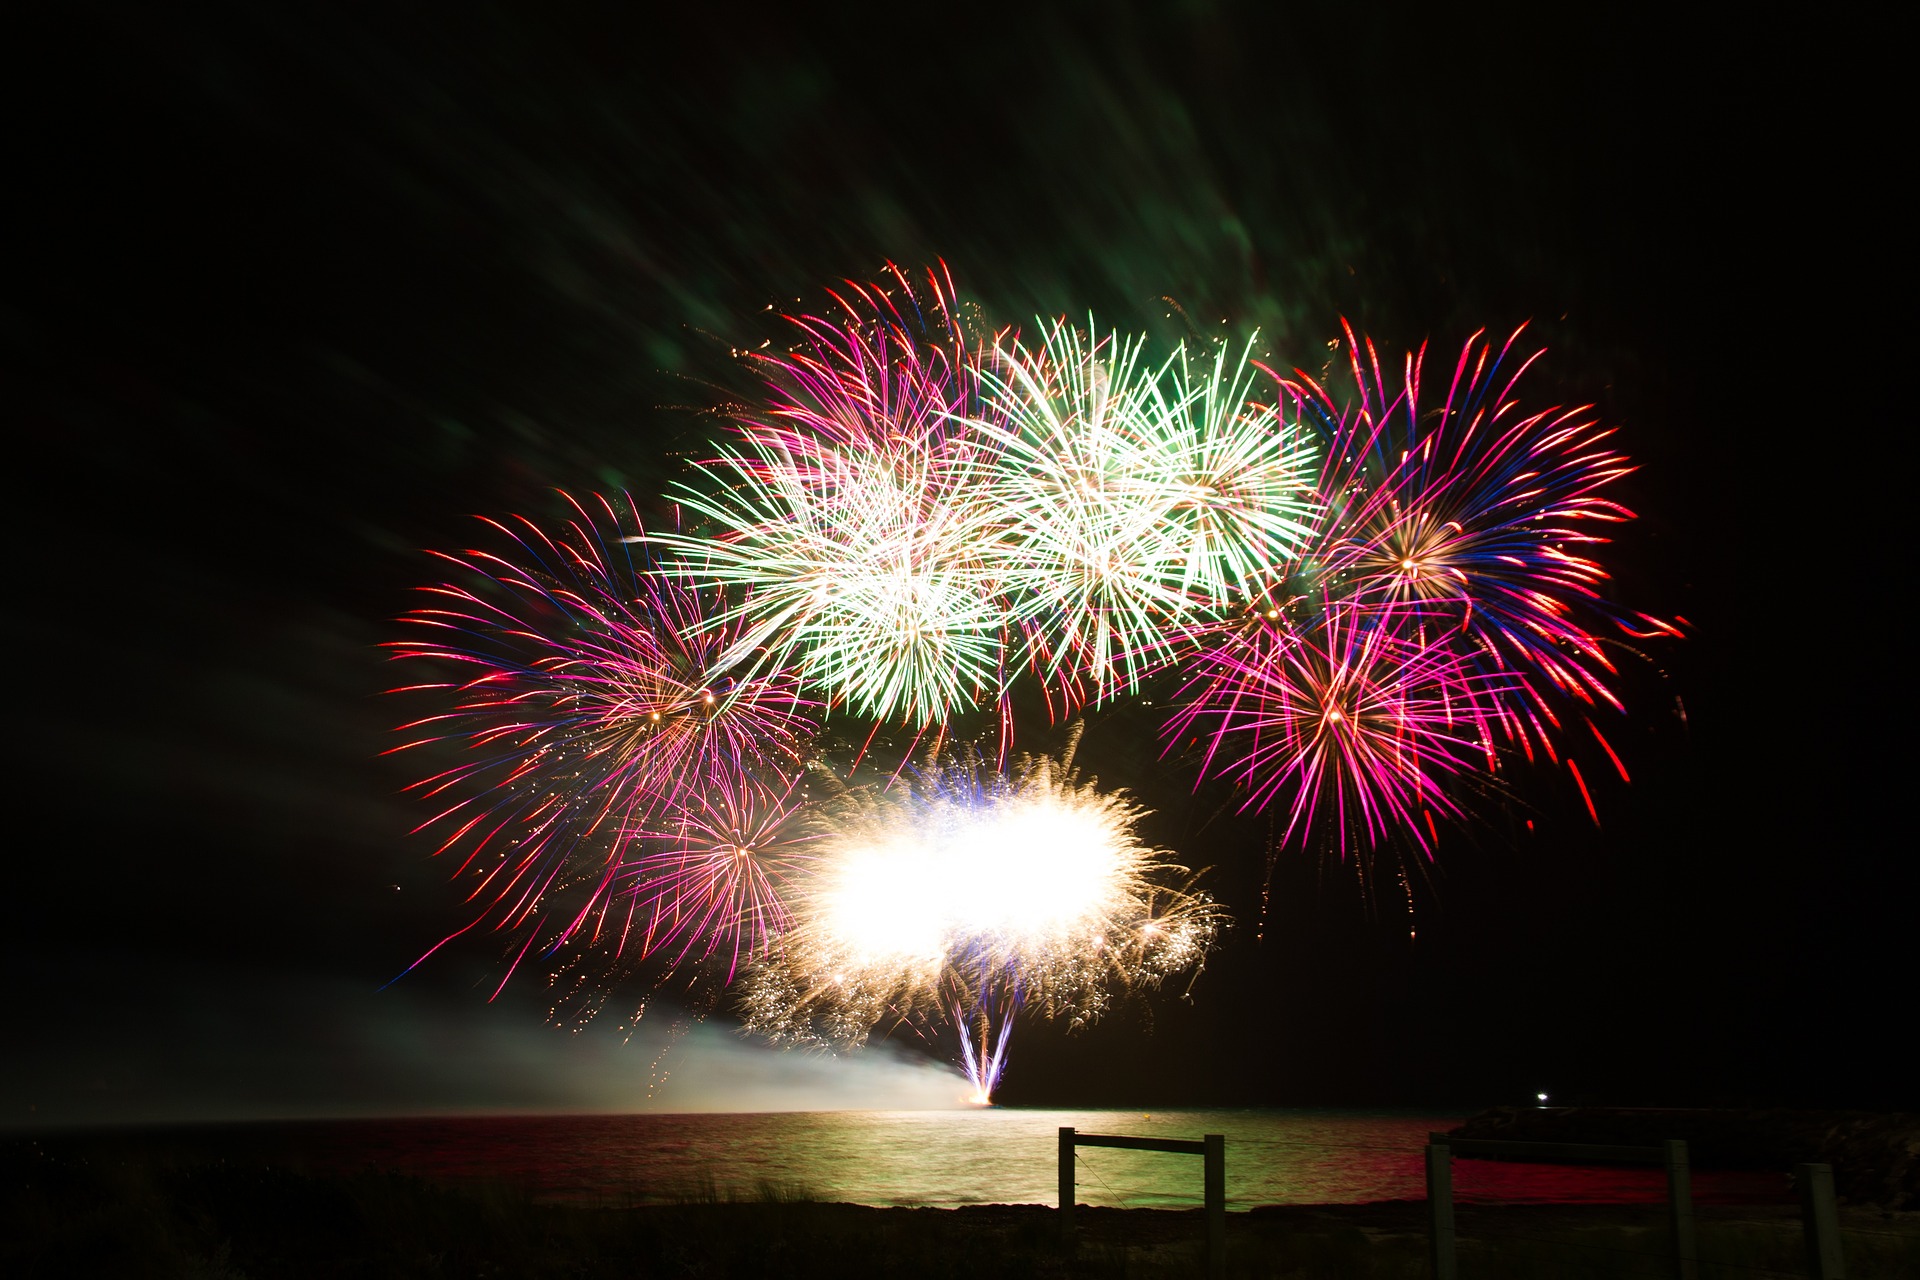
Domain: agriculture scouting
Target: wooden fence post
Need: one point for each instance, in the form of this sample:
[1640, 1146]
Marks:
[1686, 1254]
[1821, 1221]
[1215, 1157]
[1440, 1209]
[1066, 1184]
[1212, 1149]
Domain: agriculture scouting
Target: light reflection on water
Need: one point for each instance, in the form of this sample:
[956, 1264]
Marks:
[946, 1158]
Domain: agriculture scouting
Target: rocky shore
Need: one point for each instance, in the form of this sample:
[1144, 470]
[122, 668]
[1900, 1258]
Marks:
[1875, 1155]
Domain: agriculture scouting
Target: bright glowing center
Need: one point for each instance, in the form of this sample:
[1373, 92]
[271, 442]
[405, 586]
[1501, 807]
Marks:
[952, 879]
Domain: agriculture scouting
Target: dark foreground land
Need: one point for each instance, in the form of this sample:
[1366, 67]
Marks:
[1875, 1156]
[134, 1216]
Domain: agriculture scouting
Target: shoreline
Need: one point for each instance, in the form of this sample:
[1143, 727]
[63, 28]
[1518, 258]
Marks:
[117, 1209]
[160, 1218]
[1875, 1155]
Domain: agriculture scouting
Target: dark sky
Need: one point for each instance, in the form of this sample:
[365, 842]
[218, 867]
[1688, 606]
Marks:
[292, 296]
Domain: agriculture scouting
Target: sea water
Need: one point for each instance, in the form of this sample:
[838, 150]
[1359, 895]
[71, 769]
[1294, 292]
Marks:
[938, 1159]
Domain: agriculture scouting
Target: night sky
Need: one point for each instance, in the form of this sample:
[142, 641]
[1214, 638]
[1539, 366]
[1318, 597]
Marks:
[290, 299]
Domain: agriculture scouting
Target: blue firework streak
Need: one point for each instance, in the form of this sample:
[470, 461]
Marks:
[1486, 520]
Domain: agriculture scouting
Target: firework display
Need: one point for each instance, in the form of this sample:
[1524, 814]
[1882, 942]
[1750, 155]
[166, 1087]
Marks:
[1362, 608]
[852, 510]
[711, 873]
[1457, 542]
[907, 916]
[1355, 722]
[1095, 569]
[1132, 497]
[595, 711]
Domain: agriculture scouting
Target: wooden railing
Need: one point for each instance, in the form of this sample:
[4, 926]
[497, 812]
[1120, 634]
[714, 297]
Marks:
[1441, 1149]
[1212, 1148]
[1819, 1217]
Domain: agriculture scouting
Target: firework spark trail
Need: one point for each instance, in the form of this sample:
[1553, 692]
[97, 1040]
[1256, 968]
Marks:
[1353, 722]
[1093, 568]
[985, 1064]
[853, 513]
[1484, 516]
[866, 588]
[712, 875]
[1132, 496]
[590, 697]
[1234, 475]
[897, 364]
[909, 917]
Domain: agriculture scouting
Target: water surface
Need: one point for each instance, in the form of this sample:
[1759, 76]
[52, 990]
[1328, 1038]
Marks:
[938, 1159]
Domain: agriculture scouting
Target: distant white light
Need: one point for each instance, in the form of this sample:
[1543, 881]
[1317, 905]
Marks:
[1541, 1096]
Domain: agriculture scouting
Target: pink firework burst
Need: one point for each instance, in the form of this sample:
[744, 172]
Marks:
[1354, 721]
[588, 697]
[896, 368]
[713, 876]
[1485, 518]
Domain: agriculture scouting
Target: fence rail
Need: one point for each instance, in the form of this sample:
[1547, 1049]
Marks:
[1550, 1152]
[1442, 1148]
[1213, 1151]
[1819, 1217]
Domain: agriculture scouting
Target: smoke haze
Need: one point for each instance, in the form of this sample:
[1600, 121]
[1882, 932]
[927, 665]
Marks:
[201, 1046]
